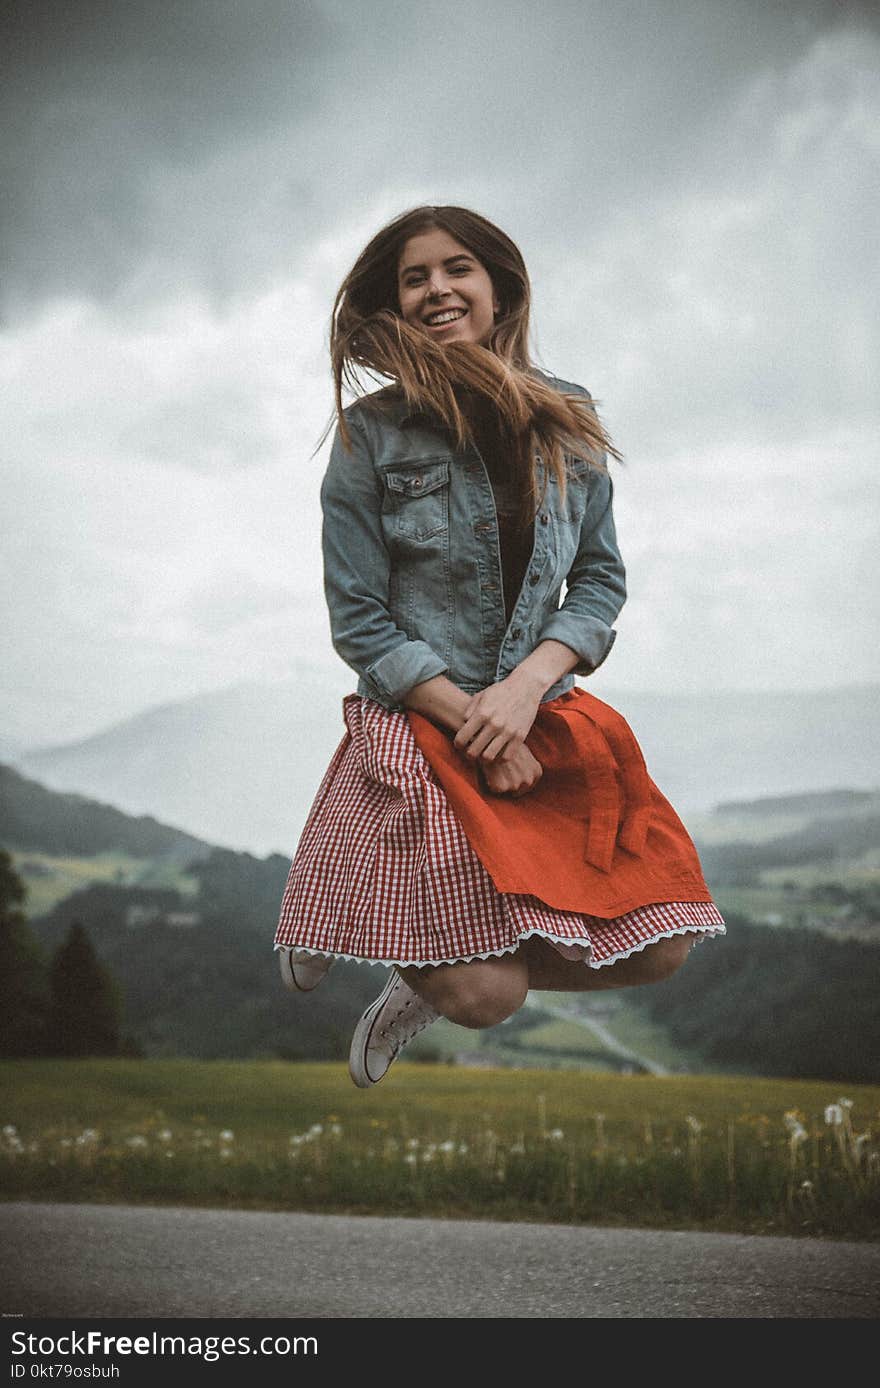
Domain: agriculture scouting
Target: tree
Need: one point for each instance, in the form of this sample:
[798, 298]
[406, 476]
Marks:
[86, 1007]
[24, 984]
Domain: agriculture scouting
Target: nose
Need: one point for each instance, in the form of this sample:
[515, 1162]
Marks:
[437, 286]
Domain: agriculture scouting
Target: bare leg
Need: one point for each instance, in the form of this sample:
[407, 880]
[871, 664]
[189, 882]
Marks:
[477, 994]
[484, 992]
[548, 971]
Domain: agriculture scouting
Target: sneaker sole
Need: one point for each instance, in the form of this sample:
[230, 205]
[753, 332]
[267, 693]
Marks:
[357, 1062]
[287, 975]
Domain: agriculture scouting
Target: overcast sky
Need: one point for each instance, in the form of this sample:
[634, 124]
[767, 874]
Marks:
[693, 184]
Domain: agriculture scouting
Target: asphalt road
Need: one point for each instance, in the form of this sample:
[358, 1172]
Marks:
[125, 1261]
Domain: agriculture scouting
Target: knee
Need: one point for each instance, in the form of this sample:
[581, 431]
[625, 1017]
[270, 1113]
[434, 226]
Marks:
[660, 960]
[481, 1000]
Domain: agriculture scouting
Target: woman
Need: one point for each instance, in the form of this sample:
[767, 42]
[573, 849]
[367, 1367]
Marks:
[486, 826]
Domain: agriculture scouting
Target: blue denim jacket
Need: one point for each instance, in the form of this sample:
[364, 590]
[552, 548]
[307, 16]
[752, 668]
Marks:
[412, 567]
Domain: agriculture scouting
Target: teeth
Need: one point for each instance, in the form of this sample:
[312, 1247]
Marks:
[448, 316]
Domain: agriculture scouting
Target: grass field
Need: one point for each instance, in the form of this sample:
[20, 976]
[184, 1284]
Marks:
[677, 1152]
[49, 878]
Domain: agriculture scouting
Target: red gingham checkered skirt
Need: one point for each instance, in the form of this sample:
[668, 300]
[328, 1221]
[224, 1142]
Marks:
[384, 871]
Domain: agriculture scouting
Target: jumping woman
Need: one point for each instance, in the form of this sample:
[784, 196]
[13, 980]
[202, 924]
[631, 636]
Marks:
[486, 826]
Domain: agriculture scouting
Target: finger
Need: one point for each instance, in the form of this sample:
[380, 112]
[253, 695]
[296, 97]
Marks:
[499, 746]
[467, 731]
[480, 742]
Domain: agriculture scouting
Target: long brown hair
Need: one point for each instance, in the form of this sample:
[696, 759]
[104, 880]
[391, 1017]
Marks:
[368, 337]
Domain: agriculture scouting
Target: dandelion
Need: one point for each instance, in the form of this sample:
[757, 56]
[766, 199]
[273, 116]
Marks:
[227, 1135]
[410, 1158]
[556, 1134]
[136, 1142]
[517, 1149]
[335, 1130]
[447, 1146]
[807, 1193]
[694, 1139]
[462, 1149]
[225, 1153]
[797, 1133]
[164, 1135]
[412, 1143]
[11, 1140]
[316, 1130]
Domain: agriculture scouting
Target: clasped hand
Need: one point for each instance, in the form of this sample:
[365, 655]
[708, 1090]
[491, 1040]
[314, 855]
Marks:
[497, 722]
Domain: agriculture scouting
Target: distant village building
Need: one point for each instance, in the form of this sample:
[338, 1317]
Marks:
[137, 916]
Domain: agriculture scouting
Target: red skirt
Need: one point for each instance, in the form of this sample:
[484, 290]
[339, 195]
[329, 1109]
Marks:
[406, 859]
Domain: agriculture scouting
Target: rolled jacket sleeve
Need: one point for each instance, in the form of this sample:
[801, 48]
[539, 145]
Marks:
[595, 585]
[357, 569]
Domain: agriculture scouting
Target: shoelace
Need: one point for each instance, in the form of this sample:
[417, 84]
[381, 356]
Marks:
[388, 1032]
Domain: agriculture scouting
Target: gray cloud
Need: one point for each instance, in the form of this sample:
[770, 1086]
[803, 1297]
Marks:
[205, 143]
[189, 182]
[104, 104]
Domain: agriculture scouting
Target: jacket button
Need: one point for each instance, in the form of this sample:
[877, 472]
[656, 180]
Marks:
[533, 578]
[544, 518]
[417, 483]
[516, 633]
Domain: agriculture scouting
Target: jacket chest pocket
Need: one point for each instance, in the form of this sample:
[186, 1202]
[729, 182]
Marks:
[417, 497]
[568, 514]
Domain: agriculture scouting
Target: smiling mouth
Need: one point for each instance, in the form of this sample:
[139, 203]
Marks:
[444, 316]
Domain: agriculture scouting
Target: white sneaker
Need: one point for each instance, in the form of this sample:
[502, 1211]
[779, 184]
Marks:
[301, 972]
[389, 1024]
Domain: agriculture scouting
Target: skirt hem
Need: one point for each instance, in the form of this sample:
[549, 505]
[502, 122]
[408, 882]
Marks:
[706, 930]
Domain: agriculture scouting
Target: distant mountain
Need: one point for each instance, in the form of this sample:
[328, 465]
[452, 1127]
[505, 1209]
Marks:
[703, 749]
[239, 767]
[824, 802]
[32, 817]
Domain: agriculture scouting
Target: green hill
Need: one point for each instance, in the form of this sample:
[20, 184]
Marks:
[187, 930]
[32, 817]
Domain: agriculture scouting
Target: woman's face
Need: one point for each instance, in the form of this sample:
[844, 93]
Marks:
[444, 290]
